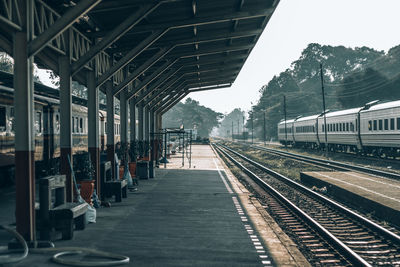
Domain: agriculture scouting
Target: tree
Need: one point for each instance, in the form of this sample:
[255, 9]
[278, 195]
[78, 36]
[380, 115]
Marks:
[366, 86]
[191, 114]
[237, 116]
[301, 83]
[6, 63]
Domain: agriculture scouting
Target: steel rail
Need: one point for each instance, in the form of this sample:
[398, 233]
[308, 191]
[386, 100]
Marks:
[332, 164]
[350, 255]
[381, 230]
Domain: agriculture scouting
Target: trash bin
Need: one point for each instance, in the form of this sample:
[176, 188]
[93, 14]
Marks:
[142, 170]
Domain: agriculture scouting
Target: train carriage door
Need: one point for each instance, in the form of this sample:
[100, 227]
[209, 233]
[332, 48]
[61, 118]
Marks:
[323, 127]
[358, 130]
[3, 120]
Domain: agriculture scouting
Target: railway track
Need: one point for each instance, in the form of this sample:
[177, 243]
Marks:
[327, 232]
[329, 163]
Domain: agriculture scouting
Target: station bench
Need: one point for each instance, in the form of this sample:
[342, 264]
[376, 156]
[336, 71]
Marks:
[58, 215]
[109, 186]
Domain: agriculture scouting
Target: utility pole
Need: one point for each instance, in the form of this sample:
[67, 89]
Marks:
[284, 112]
[324, 110]
[243, 133]
[264, 128]
[232, 130]
[252, 128]
[238, 128]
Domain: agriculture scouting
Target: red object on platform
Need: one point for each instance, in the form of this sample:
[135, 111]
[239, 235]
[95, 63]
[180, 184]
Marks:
[132, 169]
[87, 188]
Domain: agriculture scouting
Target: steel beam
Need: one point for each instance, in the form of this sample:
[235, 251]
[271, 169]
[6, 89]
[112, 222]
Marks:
[162, 90]
[219, 70]
[165, 102]
[198, 89]
[93, 127]
[9, 25]
[143, 45]
[208, 37]
[165, 90]
[173, 103]
[150, 78]
[212, 50]
[113, 36]
[60, 25]
[110, 126]
[24, 127]
[199, 20]
[137, 72]
[162, 79]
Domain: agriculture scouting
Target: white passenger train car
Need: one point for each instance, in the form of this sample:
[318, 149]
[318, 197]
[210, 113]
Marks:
[380, 127]
[286, 136]
[305, 131]
[342, 129]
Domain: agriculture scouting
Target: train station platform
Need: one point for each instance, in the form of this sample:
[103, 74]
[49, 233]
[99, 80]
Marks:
[200, 216]
[380, 196]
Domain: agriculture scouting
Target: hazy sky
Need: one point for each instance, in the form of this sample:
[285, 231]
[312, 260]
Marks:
[295, 24]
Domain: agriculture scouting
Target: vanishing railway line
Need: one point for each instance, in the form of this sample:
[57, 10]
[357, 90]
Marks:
[329, 163]
[327, 232]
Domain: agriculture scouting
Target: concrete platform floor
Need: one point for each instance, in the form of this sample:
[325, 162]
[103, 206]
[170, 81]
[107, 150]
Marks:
[375, 194]
[185, 217]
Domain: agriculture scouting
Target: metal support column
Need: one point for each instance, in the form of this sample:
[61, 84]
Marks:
[24, 127]
[110, 125]
[146, 123]
[93, 126]
[66, 124]
[147, 129]
[124, 120]
[132, 125]
[140, 125]
[153, 143]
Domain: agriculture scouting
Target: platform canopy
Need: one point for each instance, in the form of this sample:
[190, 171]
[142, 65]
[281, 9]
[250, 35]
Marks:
[155, 49]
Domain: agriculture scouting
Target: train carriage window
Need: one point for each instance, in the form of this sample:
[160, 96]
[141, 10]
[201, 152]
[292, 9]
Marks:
[398, 123]
[380, 125]
[375, 125]
[370, 125]
[344, 126]
[340, 127]
[386, 124]
[73, 124]
[81, 125]
[392, 124]
[347, 126]
[38, 122]
[77, 124]
[12, 119]
[356, 125]
[2, 119]
[351, 127]
[323, 128]
[57, 123]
